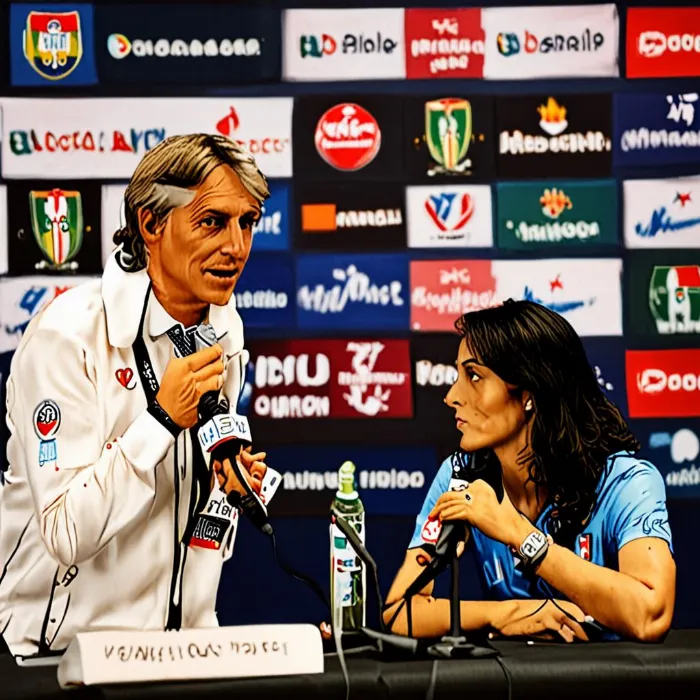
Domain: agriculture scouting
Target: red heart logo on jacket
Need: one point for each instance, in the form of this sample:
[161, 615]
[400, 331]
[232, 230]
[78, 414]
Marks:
[124, 377]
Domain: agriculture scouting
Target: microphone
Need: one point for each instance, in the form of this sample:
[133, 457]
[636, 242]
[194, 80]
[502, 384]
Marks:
[221, 435]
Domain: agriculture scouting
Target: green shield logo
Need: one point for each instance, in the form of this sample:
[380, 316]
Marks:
[448, 133]
[674, 299]
[57, 222]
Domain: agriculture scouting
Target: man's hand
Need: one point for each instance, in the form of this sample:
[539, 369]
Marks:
[252, 467]
[186, 380]
[539, 619]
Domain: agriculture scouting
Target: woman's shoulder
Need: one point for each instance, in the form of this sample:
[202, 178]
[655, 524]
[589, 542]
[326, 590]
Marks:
[628, 470]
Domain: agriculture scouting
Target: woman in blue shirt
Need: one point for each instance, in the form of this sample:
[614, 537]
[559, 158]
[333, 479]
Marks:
[566, 522]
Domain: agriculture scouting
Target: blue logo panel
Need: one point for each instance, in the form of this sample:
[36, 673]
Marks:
[353, 292]
[607, 357]
[52, 45]
[272, 231]
[673, 446]
[265, 292]
[390, 481]
[656, 129]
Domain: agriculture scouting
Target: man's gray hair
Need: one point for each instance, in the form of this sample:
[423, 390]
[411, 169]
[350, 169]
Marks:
[162, 179]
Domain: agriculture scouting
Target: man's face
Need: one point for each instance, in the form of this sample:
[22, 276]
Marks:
[205, 244]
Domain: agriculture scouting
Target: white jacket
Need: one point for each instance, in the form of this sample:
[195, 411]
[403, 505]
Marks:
[98, 494]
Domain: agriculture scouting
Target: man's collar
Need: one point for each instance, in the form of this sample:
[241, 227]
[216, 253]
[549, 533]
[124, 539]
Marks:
[124, 294]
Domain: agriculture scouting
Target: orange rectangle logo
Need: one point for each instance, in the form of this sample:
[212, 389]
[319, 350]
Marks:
[318, 217]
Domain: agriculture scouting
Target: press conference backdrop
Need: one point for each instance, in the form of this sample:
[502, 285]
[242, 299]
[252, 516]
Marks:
[423, 162]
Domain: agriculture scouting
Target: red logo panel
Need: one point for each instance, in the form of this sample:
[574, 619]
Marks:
[663, 42]
[332, 379]
[663, 383]
[444, 43]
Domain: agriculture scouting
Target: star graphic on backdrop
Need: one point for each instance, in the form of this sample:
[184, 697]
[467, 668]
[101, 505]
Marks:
[682, 197]
[555, 283]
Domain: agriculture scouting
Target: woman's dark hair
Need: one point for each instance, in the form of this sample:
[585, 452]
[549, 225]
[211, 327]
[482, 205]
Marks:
[575, 427]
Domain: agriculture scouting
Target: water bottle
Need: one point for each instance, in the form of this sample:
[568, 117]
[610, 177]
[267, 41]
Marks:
[348, 575]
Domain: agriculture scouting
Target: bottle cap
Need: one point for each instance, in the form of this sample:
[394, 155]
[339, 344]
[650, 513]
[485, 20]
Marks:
[346, 480]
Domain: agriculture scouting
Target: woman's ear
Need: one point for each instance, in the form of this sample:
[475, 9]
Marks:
[148, 226]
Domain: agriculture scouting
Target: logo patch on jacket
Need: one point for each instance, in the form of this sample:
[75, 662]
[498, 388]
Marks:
[584, 545]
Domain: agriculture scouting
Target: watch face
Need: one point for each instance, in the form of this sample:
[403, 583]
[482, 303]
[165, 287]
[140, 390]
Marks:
[532, 544]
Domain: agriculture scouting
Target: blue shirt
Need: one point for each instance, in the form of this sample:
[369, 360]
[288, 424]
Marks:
[630, 504]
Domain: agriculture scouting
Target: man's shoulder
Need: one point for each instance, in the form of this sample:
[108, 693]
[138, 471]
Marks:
[76, 313]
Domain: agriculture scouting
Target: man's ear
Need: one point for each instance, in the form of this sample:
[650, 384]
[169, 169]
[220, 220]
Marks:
[149, 227]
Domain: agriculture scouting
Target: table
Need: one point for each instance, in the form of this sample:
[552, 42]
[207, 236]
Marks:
[604, 671]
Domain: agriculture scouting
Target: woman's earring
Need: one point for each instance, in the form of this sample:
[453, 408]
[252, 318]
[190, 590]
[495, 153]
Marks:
[528, 405]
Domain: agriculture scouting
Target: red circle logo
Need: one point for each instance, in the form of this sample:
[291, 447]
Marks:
[347, 137]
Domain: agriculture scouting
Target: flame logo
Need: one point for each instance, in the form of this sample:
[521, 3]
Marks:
[552, 117]
[554, 202]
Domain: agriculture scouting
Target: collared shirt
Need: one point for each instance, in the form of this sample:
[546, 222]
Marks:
[630, 503]
[98, 494]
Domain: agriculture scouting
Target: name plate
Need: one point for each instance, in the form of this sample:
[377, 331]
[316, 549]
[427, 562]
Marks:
[138, 656]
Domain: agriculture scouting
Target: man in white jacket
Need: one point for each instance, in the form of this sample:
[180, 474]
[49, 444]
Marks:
[110, 517]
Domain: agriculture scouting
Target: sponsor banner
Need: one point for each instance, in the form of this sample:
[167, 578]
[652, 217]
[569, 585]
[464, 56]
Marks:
[585, 292]
[663, 42]
[434, 371]
[390, 480]
[52, 45]
[5, 361]
[112, 217]
[656, 129]
[556, 213]
[265, 291]
[272, 232]
[607, 358]
[340, 139]
[351, 217]
[3, 229]
[580, 41]
[449, 138]
[187, 44]
[561, 135]
[662, 213]
[449, 216]
[22, 298]
[331, 379]
[352, 292]
[54, 227]
[107, 137]
[663, 292]
[673, 447]
[351, 44]
[444, 43]
[663, 383]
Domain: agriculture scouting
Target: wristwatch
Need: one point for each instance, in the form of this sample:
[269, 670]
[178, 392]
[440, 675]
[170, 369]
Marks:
[533, 550]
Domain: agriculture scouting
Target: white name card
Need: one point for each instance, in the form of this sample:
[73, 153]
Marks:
[224, 652]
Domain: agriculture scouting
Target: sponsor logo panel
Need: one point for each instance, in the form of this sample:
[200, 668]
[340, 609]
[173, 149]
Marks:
[449, 138]
[331, 379]
[112, 217]
[586, 292]
[546, 42]
[54, 227]
[663, 383]
[265, 291]
[662, 213]
[272, 231]
[553, 213]
[52, 45]
[107, 137]
[562, 135]
[352, 292]
[663, 42]
[449, 216]
[673, 447]
[347, 44]
[663, 289]
[347, 138]
[351, 217]
[607, 358]
[22, 298]
[656, 129]
[150, 45]
[3, 229]
[444, 43]
[390, 480]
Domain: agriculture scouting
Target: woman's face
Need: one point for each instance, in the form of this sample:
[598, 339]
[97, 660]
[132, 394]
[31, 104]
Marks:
[487, 413]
